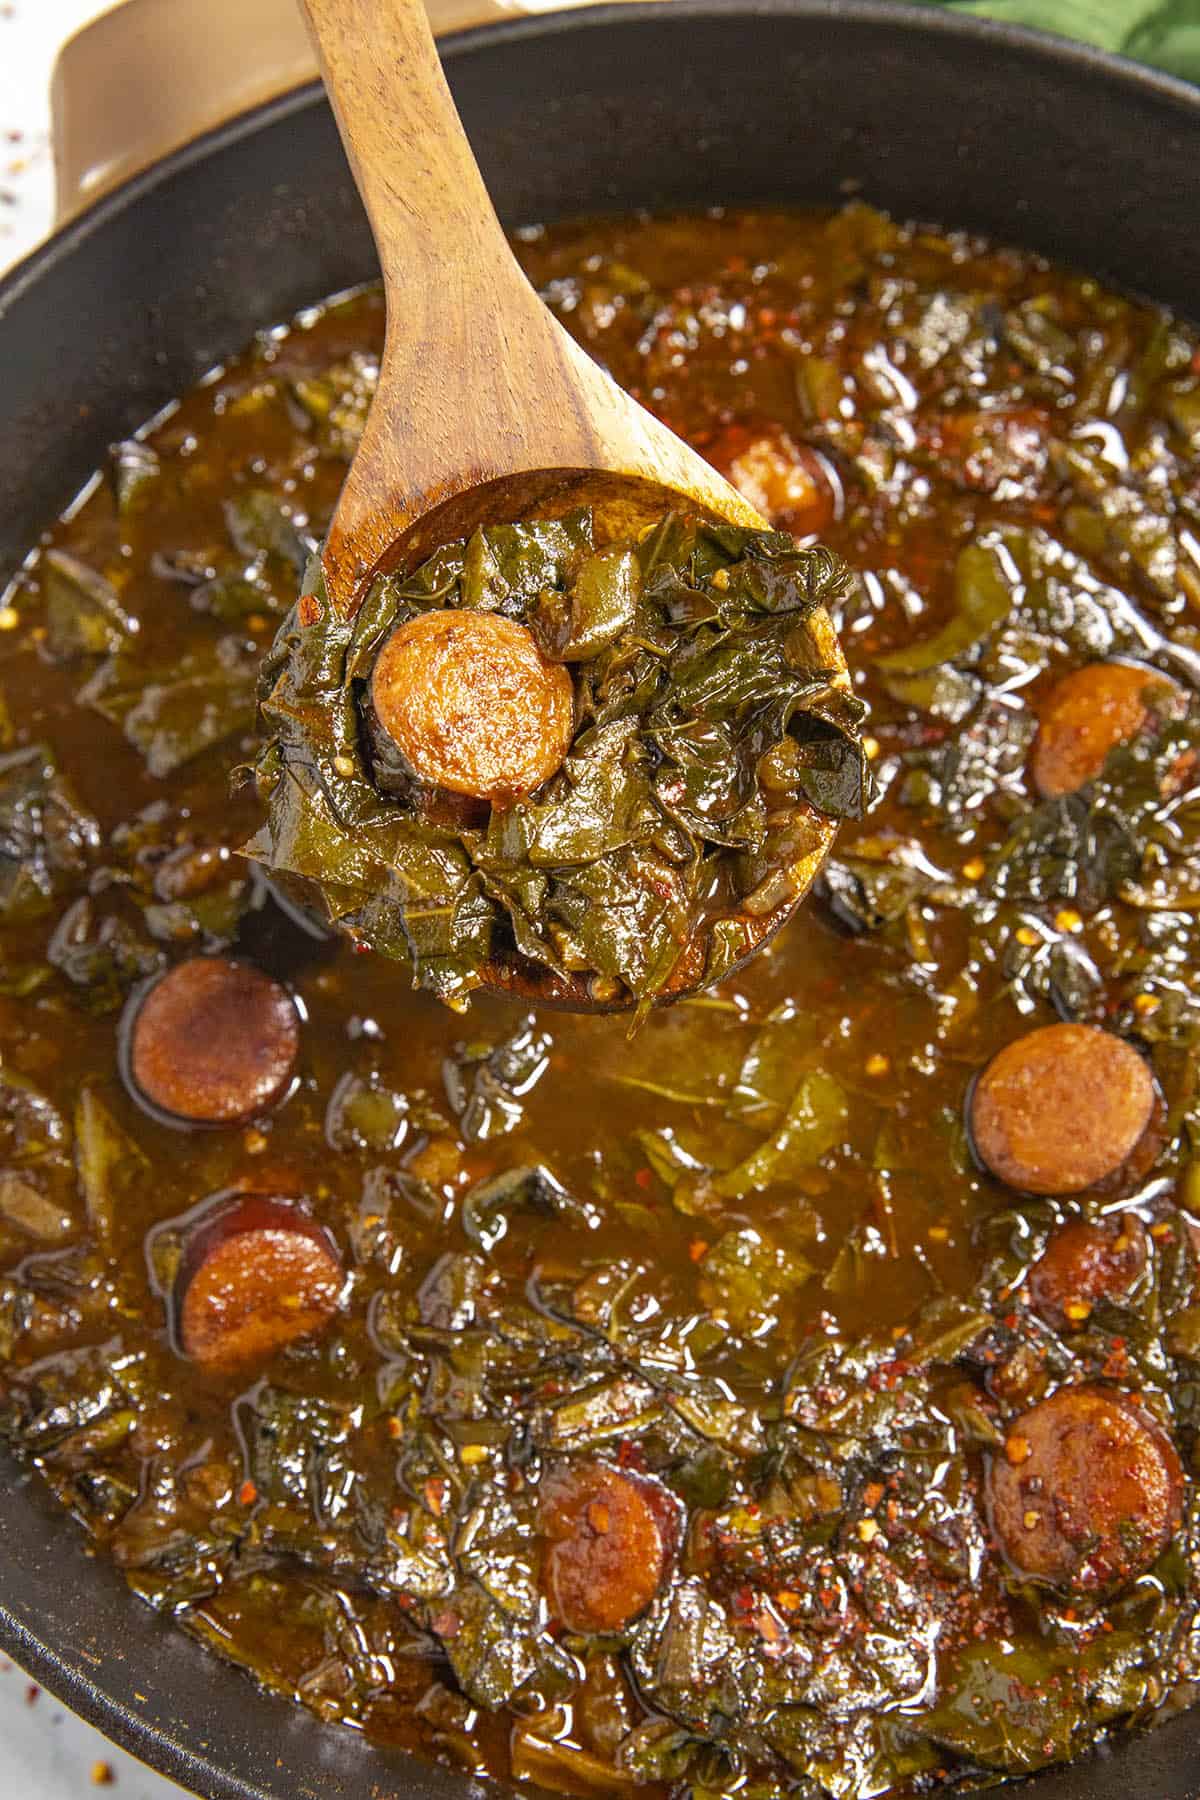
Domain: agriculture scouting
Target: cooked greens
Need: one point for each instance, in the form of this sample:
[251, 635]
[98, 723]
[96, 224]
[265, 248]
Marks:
[691, 665]
[739, 1279]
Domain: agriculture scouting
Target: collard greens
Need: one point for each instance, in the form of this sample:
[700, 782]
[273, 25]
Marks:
[747, 1259]
[691, 667]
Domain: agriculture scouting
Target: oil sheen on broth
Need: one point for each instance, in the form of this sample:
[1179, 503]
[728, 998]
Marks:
[802, 1392]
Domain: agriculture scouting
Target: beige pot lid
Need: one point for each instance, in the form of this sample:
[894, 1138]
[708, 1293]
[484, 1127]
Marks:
[142, 79]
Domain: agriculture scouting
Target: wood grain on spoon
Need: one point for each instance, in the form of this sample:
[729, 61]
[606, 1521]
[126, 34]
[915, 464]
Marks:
[486, 408]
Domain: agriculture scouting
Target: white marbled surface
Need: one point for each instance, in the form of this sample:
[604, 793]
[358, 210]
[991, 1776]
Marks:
[46, 1753]
[30, 34]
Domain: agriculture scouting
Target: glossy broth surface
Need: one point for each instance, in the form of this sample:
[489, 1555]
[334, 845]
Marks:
[747, 1263]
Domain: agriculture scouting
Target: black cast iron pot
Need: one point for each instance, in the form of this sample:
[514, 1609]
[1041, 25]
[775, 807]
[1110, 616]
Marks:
[1093, 161]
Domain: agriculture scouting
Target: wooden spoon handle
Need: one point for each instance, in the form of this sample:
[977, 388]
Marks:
[411, 159]
[460, 313]
[486, 407]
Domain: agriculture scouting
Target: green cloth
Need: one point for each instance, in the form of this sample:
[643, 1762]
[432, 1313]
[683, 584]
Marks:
[1167, 35]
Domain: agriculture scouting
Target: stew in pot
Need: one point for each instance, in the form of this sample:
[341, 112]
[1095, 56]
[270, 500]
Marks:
[798, 1395]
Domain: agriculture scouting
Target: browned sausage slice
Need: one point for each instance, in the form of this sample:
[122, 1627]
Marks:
[257, 1274]
[214, 1041]
[473, 705]
[607, 1552]
[786, 481]
[1061, 1108]
[1087, 714]
[1085, 1262]
[1086, 1491]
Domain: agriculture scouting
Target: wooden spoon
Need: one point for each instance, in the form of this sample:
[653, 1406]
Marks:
[486, 408]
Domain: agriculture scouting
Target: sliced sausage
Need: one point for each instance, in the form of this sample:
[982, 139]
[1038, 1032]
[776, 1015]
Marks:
[1084, 1262]
[213, 1041]
[607, 1548]
[257, 1274]
[1086, 1491]
[473, 705]
[788, 483]
[1087, 714]
[1060, 1109]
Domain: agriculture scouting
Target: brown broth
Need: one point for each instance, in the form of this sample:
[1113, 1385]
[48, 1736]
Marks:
[734, 317]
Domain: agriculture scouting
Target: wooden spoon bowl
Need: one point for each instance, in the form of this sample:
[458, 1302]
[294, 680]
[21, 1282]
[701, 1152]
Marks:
[487, 410]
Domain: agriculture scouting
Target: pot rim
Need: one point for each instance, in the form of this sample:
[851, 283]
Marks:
[199, 1770]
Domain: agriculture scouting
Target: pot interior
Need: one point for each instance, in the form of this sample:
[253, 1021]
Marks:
[656, 107]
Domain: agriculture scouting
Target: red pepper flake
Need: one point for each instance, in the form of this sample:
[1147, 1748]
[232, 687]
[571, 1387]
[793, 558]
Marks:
[772, 1631]
[1177, 777]
[31, 1693]
[888, 1374]
[247, 1494]
[435, 1495]
[698, 1249]
[644, 1178]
